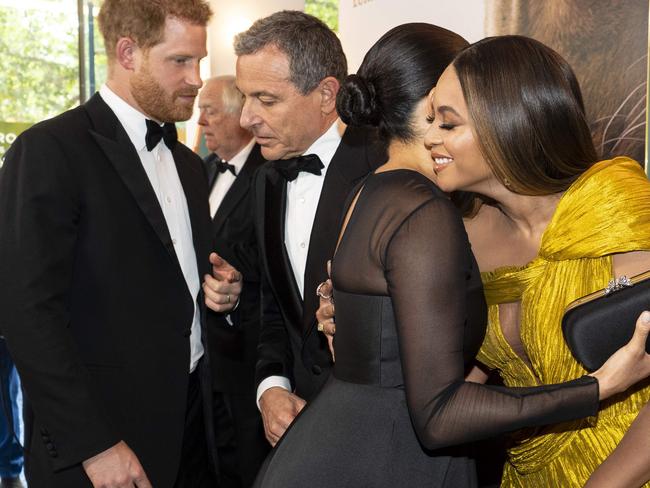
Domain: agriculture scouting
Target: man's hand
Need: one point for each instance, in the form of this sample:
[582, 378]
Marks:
[116, 467]
[279, 407]
[223, 288]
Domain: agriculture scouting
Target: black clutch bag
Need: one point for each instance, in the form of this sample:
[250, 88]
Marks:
[597, 325]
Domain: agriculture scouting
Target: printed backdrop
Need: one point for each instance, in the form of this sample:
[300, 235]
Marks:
[606, 42]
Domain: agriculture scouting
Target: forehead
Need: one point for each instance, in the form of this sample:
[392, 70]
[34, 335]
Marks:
[181, 37]
[211, 94]
[448, 90]
[265, 70]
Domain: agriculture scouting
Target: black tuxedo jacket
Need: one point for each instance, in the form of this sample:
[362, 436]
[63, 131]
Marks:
[290, 345]
[94, 305]
[233, 347]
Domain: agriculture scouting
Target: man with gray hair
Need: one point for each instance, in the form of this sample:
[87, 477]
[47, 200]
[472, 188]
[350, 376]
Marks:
[232, 340]
[289, 68]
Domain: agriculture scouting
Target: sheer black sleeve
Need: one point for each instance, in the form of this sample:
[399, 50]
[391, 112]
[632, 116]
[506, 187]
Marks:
[428, 266]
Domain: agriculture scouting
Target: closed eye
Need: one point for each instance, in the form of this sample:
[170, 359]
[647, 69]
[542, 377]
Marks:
[267, 102]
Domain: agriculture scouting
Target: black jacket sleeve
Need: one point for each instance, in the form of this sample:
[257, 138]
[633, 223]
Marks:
[39, 219]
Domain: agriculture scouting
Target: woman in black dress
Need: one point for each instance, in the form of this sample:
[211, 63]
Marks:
[410, 310]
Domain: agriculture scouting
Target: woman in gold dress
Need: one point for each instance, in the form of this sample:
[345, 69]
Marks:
[551, 224]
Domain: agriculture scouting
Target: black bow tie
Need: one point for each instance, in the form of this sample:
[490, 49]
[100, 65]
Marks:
[222, 166]
[155, 132]
[290, 168]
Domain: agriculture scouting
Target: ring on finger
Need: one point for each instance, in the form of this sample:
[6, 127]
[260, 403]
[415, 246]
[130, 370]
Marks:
[319, 291]
[227, 298]
[321, 327]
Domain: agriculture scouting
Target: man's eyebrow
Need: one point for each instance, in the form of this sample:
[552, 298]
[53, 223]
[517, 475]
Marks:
[263, 93]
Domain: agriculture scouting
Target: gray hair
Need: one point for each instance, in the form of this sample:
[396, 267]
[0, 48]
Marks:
[314, 51]
[233, 100]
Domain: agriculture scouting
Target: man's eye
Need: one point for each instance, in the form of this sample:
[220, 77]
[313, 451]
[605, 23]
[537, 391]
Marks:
[447, 126]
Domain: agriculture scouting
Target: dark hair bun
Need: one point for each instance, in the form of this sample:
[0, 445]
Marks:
[356, 102]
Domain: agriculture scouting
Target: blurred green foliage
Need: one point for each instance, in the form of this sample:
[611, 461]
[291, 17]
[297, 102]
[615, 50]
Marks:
[325, 10]
[39, 50]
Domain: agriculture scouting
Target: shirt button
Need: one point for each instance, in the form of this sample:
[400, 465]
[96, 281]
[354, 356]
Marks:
[168, 199]
[174, 242]
[302, 244]
[302, 199]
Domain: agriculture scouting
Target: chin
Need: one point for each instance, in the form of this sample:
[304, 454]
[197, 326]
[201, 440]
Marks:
[182, 114]
[272, 154]
[447, 186]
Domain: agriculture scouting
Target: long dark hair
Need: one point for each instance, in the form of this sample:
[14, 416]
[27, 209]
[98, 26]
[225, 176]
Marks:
[398, 71]
[527, 110]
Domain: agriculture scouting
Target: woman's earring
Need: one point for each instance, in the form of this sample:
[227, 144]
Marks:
[506, 182]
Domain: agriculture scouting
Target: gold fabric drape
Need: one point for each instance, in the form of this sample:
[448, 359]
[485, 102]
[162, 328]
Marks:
[606, 211]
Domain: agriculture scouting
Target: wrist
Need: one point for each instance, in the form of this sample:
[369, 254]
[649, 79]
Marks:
[272, 382]
[604, 390]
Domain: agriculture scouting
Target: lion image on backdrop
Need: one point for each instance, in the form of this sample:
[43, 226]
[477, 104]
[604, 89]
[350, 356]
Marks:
[606, 43]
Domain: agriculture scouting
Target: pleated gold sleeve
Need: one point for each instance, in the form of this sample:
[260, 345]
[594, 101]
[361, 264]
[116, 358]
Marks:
[606, 211]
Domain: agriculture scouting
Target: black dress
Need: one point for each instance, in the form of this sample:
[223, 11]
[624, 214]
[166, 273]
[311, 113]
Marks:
[410, 316]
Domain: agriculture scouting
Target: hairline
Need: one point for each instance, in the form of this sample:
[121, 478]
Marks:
[228, 87]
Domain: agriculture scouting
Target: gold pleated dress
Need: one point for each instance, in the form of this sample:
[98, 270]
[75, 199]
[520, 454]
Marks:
[606, 211]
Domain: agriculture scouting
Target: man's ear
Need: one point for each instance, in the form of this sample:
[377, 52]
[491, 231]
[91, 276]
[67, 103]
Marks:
[126, 50]
[328, 88]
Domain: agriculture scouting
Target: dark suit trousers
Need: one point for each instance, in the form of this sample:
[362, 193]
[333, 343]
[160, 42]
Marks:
[239, 437]
[194, 470]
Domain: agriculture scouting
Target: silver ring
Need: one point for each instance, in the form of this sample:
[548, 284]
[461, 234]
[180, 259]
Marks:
[227, 298]
[320, 293]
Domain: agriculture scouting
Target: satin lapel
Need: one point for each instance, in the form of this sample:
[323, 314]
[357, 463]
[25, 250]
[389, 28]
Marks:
[116, 145]
[210, 169]
[349, 165]
[192, 177]
[236, 192]
[279, 266]
[239, 188]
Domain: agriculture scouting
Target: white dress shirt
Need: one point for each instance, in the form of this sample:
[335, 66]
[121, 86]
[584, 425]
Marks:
[303, 195]
[226, 179]
[161, 171]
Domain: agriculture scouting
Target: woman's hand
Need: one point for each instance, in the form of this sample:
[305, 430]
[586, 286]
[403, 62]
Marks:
[627, 366]
[325, 312]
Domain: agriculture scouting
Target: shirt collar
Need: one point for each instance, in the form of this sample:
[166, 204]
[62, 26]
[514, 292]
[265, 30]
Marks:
[240, 158]
[133, 121]
[326, 145]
